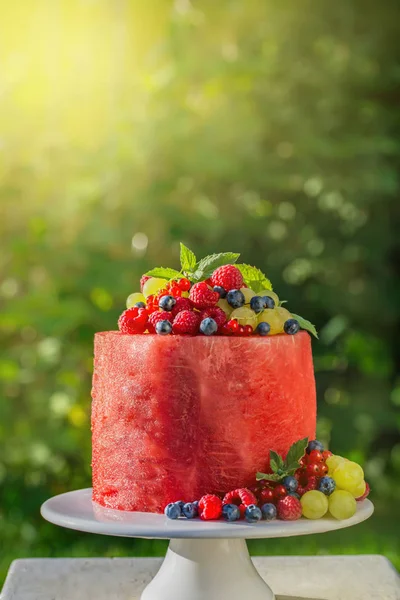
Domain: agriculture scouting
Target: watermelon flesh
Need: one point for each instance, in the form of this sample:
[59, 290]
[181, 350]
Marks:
[176, 417]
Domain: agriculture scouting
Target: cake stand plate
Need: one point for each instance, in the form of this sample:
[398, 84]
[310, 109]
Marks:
[205, 560]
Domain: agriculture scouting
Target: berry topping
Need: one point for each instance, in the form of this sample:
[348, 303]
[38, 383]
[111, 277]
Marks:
[252, 514]
[275, 317]
[279, 492]
[263, 328]
[190, 510]
[133, 320]
[140, 305]
[314, 504]
[240, 496]
[220, 290]
[290, 483]
[180, 305]
[269, 302]
[202, 296]
[173, 510]
[310, 484]
[184, 284]
[248, 330]
[326, 485]
[291, 326]
[289, 508]
[315, 456]
[210, 507]
[235, 298]
[313, 469]
[215, 313]
[133, 299]
[208, 326]
[230, 512]
[268, 511]
[157, 316]
[266, 496]
[233, 325]
[186, 322]
[257, 303]
[314, 445]
[167, 303]
[163, 327]
[228, 277]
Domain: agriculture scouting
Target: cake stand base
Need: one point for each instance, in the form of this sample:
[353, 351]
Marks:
[207, 570]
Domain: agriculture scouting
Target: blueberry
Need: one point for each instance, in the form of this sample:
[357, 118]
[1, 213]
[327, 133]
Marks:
[263, 328]
[189, 510]
[220, 290]
[196, 507]
[231, 512]
[257, 304]
[167, 302]
[291, 326]
[290, 483]
[326, 485]
[252, 514]
[208, 326]
[268, 511]
[180, 503]
[235, 298]
[295, 494]
[163, 327]
[269, 302]
[140, 305]
[172, 510]
[314, 445]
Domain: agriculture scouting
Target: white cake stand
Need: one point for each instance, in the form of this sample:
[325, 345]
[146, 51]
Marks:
[205, 560]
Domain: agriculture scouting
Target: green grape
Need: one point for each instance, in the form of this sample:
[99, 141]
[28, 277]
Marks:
[276, 318]
[342, 505]
[359, 490]
[227, 308]
[133, 298]
[248, 294]
[333, 461]
[271, 294]
[245, 316]
[152, 286]
[314, 504]
[348, 475]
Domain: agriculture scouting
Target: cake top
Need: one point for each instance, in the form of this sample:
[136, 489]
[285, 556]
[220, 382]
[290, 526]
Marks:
[211, 296]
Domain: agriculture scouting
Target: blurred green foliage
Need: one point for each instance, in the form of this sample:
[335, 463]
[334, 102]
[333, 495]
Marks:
[266, 128]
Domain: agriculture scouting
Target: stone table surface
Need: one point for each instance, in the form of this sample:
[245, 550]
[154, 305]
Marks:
[323, 577]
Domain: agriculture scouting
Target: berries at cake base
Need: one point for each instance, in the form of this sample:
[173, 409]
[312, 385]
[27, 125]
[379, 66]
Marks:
[180, 305]
[210, 507]
[242, 497]
[215, 313]
[155, 317]
[289, 508]
[228, 277]
[133, 320]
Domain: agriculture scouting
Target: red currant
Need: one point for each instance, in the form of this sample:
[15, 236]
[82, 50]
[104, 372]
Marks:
[176, 291]
[225, 330]
[323, 469]
[233, 325]
[266, 495]
[326, 454]
[248, 330]
[280, 491]
[240, 330]
[184, 284]
[303, 461]
[313, 469]
[315, 456]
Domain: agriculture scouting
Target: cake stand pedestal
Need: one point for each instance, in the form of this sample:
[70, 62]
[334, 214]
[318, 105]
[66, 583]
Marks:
[205, 560]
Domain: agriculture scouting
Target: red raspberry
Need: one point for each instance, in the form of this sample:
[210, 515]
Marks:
[201, 296]
[143, 280]
[310, 484]
[155, 317]
[186, 322]
[181, 304]
[133, 320]
[365, 494]
[210, 507]
[228, 277]
[215, 313]
[289, 508]
[241, 496]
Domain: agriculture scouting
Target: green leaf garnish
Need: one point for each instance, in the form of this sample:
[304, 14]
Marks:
[206, 266]
[307, 325]
[164, 272]
[296, 452]
[268, 476]
[188, 259]
[281, 468]
[276, 462]
[254, 278]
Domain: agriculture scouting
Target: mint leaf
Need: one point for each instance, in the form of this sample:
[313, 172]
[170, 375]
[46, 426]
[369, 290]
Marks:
[296, 452]
[207, 265]
[304, 324]
[276, 462]
[268, 476]
[254, 278]
[164, 272]
[188, 259]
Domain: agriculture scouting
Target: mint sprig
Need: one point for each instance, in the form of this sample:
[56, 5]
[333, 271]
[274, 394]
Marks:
[207, 265]
[254, 278]
[281, 468]
[307, 325]
[164, 272]
[188, 259]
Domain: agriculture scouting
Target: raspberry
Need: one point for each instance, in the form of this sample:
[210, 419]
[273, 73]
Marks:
[133, 320]
[201, 296]
[215, 313]
[240, 497]
[155, 317]
[310, 484]
[289, 508]
[143, 280]
[210, 507]
[186, 322]
[181, 304]
[228, 277]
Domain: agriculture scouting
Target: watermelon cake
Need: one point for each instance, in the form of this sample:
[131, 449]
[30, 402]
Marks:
[207, 374]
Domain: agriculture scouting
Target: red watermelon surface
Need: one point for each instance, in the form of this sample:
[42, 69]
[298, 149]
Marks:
[175, 417]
